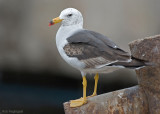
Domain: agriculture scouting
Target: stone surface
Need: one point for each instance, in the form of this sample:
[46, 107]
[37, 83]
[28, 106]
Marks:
[149, 77]
[127, 101]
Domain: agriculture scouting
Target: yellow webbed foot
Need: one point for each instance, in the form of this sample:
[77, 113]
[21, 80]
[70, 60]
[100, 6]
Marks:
[83, 100]
[78, 102]
[94, 94]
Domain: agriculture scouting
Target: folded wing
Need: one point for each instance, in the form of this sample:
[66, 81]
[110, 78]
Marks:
[94, 49]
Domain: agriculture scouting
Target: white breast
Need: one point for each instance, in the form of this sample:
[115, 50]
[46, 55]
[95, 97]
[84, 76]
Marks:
[61, 36]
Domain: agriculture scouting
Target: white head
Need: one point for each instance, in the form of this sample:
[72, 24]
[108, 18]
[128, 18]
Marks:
[69, 17]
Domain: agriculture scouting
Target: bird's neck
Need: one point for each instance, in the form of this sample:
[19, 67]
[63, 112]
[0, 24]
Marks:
[65, 31]
[72, 27]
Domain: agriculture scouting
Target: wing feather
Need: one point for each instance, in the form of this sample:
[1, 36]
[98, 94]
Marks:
[94, 49]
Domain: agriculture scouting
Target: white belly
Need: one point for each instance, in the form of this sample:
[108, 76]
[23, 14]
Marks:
[105, 69]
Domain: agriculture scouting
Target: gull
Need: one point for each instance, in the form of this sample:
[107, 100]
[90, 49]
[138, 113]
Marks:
[89, 51]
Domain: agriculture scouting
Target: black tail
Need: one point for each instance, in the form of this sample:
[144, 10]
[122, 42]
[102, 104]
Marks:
[133, 64]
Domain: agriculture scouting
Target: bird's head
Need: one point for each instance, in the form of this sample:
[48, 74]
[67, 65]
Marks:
[69, 16]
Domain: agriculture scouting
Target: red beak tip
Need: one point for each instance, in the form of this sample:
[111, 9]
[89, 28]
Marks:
[51, 23]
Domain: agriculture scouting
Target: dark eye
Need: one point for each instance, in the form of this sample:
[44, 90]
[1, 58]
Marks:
[69, 15]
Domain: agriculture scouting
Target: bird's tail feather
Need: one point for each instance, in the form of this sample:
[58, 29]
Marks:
[134, 63]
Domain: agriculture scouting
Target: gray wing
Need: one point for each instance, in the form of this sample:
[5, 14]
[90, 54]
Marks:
[94, 49]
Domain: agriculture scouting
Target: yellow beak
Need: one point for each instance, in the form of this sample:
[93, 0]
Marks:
[55, 20]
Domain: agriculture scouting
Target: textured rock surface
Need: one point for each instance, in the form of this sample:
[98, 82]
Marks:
[149, 77]
[126, 101]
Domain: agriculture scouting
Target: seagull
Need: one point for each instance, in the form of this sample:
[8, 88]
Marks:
[89, 51]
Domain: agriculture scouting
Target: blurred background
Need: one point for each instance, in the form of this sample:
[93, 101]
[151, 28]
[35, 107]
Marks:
[33, 77]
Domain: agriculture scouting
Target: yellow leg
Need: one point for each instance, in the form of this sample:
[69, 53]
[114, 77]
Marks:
[81, 101]
[96, 78]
